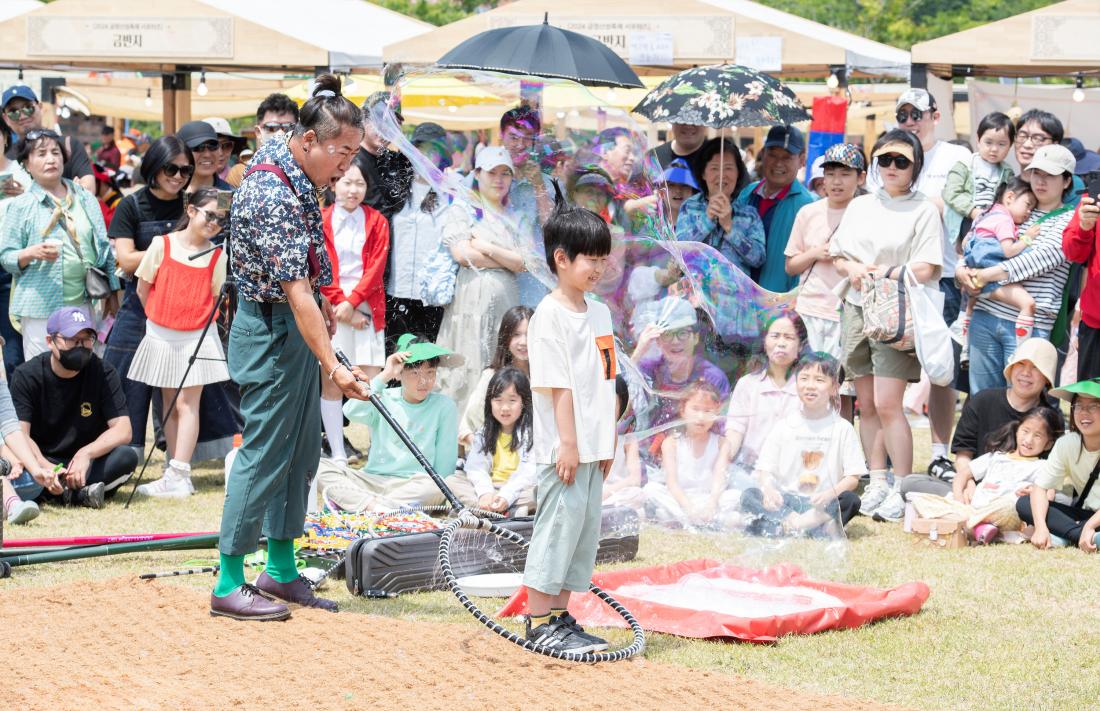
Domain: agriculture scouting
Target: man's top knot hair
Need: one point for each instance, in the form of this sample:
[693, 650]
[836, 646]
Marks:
[328, 112]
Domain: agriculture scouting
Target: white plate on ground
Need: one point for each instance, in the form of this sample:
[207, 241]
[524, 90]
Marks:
[491, 584]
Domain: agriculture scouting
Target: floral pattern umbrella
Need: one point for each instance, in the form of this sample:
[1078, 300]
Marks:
[722, 96]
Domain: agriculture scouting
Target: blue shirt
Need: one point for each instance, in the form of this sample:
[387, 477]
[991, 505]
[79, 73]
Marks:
[743, 245]
[777, 225]
[274, 228]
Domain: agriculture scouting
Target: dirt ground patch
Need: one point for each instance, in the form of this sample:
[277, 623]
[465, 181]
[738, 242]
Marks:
[128, 645]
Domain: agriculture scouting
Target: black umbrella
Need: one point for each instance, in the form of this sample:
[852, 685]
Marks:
[545, 51]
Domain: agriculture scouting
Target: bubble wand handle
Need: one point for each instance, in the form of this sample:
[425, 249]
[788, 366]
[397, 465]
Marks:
[405, 439]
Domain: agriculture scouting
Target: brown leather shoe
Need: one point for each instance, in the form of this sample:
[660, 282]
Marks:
[298, 591]
[248, 603]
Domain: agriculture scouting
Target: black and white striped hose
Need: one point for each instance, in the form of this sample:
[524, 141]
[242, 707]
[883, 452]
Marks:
[468, 520]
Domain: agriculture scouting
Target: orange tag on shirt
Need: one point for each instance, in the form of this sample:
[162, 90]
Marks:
[606, 346]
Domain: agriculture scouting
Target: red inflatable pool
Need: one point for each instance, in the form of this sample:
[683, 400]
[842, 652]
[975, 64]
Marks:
[705, 598]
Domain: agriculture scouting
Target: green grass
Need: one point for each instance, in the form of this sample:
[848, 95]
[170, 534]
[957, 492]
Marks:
[1005, 627]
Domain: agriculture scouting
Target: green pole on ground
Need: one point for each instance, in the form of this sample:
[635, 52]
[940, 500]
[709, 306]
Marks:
[173, 544]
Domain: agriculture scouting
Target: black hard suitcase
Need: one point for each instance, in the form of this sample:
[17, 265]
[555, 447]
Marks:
[407, 563]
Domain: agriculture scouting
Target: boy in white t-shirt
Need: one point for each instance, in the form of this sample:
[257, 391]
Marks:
[810, 464]
[573, 369]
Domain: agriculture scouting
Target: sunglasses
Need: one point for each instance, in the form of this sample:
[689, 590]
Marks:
[208, 147]
[20, 112]
[216, 218]
[41, 133]
[893, 159]
[172, 170]
[227, 144]
[915, 114]
[275, 127]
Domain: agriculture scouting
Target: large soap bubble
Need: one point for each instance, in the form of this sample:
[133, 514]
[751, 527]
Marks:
[704, 380]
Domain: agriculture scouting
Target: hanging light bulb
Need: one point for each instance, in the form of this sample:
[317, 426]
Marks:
[148, 98]
[20, 75]
[202, 90]
[1079, 89]
[833, 81]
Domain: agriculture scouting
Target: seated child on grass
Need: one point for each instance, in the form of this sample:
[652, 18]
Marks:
[500, 471]
[811, 461]
[392, 477]
[696, 464]
[1007, 472]
[995, 239]
[1074, 460]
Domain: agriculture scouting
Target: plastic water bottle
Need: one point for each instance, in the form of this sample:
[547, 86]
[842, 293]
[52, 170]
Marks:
[230, 456]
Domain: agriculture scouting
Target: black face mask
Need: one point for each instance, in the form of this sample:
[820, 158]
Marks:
[75, 358]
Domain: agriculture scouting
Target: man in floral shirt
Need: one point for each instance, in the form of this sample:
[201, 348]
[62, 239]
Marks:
[282, 329]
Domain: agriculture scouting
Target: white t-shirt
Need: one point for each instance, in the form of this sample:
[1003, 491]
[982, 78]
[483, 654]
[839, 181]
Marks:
[573, 351]
[1070, 463]
[349, 234]
[1001, 474]
[805, 456]
[695, 475]
[938, 162]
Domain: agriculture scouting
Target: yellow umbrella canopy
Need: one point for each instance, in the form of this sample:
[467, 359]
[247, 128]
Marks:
[437, 90]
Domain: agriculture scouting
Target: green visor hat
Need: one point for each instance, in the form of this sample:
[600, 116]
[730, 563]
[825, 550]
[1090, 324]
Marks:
[1088, 388]
[424, 350]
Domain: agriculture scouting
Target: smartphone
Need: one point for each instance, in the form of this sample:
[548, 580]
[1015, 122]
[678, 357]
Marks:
[1093, 189]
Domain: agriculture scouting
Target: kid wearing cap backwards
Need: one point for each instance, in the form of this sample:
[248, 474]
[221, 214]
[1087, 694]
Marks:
[1074, 460]
[392, 475]
[573, 369]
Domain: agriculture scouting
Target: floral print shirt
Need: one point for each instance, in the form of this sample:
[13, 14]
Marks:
[276, 231]
[743, 245]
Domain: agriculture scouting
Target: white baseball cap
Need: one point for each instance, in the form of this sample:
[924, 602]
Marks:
[492, 156]
[1054, 159]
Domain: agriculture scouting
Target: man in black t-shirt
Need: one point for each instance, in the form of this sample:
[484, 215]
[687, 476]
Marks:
[22, 112]
[389, 173]
[70, 404]
[685, 143]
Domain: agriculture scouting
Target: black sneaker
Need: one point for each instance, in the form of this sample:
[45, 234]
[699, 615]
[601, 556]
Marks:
[326, 451]
[599, 643]
[764, 527]
[91, 496]
[942, 468]
[558, 636]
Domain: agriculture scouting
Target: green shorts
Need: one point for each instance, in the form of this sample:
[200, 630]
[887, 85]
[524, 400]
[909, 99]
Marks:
[562, 554]
[863, 356]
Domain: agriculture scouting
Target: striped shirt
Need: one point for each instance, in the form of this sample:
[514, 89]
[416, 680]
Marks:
[987, 178]
[1042, 270]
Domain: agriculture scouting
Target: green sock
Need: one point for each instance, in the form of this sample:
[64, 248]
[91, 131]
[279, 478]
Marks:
[231, 576]
[280, 560]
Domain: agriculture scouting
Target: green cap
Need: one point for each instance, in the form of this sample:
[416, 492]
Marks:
[426, 351]
[1088, 388]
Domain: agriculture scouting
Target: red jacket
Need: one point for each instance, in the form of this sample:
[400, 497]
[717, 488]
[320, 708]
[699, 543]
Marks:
[1080, 246]
[375, 251]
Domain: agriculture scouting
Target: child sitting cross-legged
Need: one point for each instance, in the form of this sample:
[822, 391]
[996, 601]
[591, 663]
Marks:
[810, 463]
[1007, 472]
[500, 471]
[392, 476]
[695, 461]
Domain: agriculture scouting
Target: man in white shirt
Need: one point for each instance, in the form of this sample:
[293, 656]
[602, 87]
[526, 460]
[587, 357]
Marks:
[918, 114]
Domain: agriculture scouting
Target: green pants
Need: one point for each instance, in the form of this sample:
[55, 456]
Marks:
[278, 377]
[562, 554]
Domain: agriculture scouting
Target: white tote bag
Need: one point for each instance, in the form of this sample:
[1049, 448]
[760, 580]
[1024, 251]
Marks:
[933, 337]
